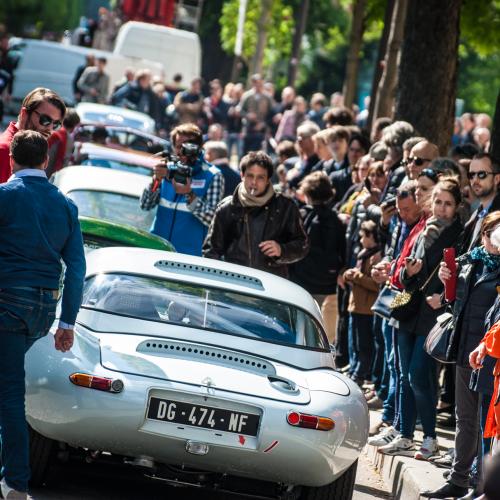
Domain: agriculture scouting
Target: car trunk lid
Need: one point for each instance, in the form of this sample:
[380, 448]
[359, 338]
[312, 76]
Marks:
[203, 366]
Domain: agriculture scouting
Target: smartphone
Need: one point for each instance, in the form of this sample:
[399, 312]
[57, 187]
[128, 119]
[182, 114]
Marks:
[409, 260]
[391, 202]
[450, 286]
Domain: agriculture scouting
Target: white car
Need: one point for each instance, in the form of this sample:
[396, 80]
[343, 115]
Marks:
[103, 114]
[104, 193]
[97, 155]
[202, 372]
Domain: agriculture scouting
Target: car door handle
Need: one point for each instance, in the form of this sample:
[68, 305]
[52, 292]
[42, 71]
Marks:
[283, 384]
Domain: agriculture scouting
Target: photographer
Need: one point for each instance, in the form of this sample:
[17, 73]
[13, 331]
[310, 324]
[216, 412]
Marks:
[186, 191]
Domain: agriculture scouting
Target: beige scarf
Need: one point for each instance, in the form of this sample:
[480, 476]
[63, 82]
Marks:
[248, 200]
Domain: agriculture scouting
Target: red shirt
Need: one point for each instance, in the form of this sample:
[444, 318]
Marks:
[5, 140]
[406, 252]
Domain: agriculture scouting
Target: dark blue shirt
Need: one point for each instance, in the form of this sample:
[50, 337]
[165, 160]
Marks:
[39, 227]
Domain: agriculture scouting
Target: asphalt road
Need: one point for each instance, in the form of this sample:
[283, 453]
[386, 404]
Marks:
[79, 481]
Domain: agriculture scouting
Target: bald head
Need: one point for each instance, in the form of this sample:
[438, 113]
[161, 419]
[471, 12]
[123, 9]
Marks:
[421, 156]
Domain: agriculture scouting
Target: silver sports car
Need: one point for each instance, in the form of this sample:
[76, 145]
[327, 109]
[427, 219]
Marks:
[201, 372]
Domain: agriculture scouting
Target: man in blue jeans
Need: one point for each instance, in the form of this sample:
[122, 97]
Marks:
[38, 227]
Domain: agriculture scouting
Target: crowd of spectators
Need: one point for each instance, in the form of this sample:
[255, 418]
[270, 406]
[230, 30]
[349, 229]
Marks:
[368, 216]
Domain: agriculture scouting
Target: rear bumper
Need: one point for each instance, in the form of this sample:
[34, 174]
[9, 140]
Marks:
[117, 423]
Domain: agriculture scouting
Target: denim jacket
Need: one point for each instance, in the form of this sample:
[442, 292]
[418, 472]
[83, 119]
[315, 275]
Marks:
[39, 227]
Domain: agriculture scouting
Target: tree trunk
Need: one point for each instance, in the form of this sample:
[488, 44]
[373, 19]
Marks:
[355, 43]
[387, 86]
[215, 63]
[495, 133]
[428, 71]
[262, 29]
[300, 18]
[379, 67]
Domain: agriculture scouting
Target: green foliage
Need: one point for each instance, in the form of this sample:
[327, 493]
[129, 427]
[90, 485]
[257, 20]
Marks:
[33, 17]
[478, 80]
[480, 25]
[280, 30]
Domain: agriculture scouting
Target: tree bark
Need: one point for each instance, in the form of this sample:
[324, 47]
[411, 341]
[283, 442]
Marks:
[262, 29]
[215, 63]
[300, 17]
[384, 102]
[495, 133]
[379, 67]
[355, 43]
[428, 71]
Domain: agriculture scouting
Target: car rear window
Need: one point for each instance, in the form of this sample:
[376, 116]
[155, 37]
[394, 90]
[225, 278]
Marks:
[193, 305]
[114, 207]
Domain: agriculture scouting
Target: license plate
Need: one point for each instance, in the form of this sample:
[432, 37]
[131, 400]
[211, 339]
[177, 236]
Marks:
[206, 417]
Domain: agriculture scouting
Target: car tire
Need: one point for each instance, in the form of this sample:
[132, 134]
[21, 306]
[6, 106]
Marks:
[341, 488]
[42, 451]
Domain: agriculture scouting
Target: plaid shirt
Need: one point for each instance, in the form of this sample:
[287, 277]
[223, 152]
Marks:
[202, 208]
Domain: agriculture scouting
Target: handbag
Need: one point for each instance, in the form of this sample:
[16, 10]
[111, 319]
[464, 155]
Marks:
[407, 303]
[439, 341]
[381, 306]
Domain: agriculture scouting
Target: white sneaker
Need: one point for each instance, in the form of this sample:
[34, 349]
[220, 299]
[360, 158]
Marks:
[11, 494]
[399, 444]
[428, 449]
[386, 436]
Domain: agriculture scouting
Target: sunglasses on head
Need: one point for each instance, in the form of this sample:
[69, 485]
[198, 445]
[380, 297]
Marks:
[45, 120]
[430, 174]
[482, 174]
[418, 161]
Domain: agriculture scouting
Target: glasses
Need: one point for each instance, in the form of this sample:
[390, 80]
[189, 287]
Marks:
[45, 120]
[430, 174]
[418, 161]
[482, 174]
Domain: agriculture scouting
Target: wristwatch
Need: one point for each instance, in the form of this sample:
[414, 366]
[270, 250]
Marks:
[190, 197]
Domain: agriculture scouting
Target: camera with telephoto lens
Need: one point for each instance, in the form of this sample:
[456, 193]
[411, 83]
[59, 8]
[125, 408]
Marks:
[176, 169]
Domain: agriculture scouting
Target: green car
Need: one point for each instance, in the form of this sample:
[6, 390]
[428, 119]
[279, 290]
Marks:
[98, 233]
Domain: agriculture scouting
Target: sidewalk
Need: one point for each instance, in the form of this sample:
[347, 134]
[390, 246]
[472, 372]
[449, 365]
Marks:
[404, 476]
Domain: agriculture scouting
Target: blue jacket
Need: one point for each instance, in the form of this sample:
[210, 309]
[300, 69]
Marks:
[174, 221]
[38, 227]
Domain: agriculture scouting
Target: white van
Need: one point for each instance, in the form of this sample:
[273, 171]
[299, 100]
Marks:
[179, 51]
[53, 65]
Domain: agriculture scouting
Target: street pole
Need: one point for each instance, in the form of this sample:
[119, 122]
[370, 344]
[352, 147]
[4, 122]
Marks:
[238, 46]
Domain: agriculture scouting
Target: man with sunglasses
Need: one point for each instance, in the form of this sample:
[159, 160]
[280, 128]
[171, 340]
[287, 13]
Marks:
[42, 110]
[484, 177]
[421, 156]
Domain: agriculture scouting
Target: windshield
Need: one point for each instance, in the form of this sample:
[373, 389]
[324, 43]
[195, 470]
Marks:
[117, 165]
[202, 307]
[114, 207]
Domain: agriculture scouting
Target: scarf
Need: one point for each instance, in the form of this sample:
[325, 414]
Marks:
[433, 229]
[250, 201]
[490, 262]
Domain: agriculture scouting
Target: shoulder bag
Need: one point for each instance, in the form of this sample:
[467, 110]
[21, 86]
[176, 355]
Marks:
[406, 304]
[381, 306]
[439, 343]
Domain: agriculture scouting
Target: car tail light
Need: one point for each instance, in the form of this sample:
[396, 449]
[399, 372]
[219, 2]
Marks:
[310, 421]
[98, 383]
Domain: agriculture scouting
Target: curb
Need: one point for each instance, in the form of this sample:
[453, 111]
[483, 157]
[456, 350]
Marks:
[404, 476]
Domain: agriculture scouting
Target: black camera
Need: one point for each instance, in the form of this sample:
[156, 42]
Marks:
[176, 169]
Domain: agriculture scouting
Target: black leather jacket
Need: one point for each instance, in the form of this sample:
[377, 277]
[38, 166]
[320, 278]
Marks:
[235, 233]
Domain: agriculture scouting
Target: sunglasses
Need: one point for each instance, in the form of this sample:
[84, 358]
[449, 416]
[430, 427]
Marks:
[45, 120]
[418, 161]
[430, 174]
[482, 174]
